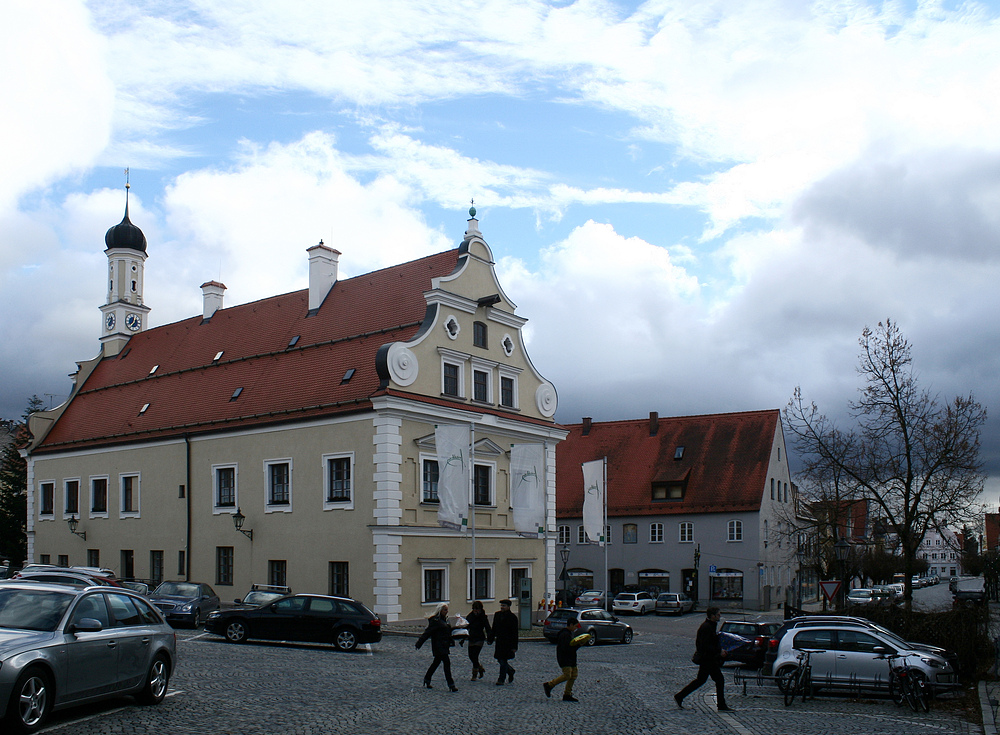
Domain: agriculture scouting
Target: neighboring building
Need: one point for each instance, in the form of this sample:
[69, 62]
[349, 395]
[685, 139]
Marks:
[310, 416]
[942, 550]
[992, 528]
[696, 504]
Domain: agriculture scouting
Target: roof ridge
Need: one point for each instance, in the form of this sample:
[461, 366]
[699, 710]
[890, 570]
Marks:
[645, 420]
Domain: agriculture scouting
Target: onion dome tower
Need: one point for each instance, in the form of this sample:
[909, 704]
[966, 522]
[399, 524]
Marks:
[124, 313]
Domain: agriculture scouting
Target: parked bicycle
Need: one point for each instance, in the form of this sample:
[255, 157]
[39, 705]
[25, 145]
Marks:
[907, 684]
[798, 681]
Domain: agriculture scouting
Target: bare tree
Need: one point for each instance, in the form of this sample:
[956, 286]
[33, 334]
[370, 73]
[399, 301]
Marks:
[913, 458]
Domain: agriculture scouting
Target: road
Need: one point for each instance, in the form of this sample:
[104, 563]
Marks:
[282, 688]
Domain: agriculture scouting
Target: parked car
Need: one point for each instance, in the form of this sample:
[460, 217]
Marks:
[591, 598]
[637, 603]
[343, 621]
[854, 655]
[261, 594]
[673, 603]
[807, 621]
[63, 576]
[873, 596]
[141, 587]
[185, 602]
[953, 584]
[602, 625]
[757, 633]
[968, 598]
[62, 646]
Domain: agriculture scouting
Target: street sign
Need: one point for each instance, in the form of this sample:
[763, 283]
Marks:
[830, 589]
[711, 569]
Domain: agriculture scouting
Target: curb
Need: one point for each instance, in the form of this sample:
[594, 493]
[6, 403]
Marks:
[986, 707]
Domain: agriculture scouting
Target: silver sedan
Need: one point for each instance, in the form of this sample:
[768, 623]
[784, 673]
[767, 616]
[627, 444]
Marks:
[62, 646]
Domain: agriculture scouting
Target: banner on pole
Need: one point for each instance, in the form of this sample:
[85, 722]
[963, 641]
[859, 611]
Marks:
[527, 493]
[452, 445]
[593, 500]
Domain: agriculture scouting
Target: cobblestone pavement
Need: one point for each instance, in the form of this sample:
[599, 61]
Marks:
[221, 688]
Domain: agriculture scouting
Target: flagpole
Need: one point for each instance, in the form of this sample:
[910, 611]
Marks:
[604, 530]
[472, 497]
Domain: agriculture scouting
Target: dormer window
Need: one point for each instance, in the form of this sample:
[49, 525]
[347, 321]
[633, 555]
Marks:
[236, 394]
[679, 453]
[218, 355]
[154, 369]
[293, 341]
[143, 409]
[665, 491]
[347, 376]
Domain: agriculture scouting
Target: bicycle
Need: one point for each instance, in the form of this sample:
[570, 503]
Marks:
[907, 683]
[798, 680]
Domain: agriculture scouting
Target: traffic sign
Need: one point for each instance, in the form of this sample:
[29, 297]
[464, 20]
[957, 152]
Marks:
[830, 589]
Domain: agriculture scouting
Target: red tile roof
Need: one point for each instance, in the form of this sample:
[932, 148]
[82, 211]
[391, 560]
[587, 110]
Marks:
[190, 392]
[725, 463]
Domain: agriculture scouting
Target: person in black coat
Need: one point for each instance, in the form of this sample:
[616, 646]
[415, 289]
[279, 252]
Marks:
[479, 632]
[710, 653]
[505, 627]
[439, 632]
[566, 658]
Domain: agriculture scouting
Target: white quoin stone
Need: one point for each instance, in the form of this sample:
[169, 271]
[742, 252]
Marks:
[322, 273]
[212, 292]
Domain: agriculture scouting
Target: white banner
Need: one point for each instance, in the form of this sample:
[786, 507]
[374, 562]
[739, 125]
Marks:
[452, 444]
[527, 488]
[593, 500]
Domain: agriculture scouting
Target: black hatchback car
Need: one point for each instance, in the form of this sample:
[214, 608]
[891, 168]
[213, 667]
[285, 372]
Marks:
[317, 618]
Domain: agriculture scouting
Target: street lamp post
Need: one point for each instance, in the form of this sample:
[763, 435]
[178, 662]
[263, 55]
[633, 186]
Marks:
[800, 554]
[564, 555]
[842, 549]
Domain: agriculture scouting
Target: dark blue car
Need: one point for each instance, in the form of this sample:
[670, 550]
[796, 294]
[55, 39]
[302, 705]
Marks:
[188, 603]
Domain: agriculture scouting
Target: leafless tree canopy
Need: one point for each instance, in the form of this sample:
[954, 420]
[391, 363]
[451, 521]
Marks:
[915, 459]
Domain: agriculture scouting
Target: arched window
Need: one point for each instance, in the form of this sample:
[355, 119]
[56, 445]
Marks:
[735, 531]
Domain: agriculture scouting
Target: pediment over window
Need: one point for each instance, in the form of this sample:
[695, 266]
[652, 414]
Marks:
[484, 447]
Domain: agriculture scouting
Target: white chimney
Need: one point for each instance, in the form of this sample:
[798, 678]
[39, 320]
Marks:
[322, 273]
[212, 292]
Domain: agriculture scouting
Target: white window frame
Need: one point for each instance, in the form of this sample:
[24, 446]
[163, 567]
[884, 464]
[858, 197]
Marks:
[481, 366]
[681, 527]
[565, 535]
[90, 497]
[46, 516]
[581, 535]
[489, 566]
[492, 467]
[506, 371]
[656, 533]
[510, 577]
[607, 535]
[734, 531]
[225, 509]
[431, 566]
[65, 509]
[460, 360]
[136, 495]
[270, 507]
[428, 458]
[338, 504]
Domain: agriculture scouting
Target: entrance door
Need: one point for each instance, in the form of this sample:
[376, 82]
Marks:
[689, 583]
[616, 580]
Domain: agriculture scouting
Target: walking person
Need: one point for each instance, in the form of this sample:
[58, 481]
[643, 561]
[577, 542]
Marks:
[708, 656]
[439, 632]
[566, 658]
[479, 632]
[504, 634]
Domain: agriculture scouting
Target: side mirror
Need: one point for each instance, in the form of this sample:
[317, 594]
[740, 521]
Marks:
[614, 618]
[238, 601]
[86, 625]
[880, 650]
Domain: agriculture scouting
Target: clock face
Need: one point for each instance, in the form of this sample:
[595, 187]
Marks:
[133, 321]
[109, 321]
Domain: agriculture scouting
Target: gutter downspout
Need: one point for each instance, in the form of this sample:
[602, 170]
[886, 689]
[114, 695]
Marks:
[187, 498]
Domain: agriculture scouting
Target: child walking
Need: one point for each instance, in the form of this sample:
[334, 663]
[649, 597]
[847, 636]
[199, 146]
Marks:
[566, 658]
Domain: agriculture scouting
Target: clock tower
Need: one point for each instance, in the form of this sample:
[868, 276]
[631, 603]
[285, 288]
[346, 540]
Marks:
[124, 314]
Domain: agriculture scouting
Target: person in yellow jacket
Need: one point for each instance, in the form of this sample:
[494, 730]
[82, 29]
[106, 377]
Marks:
[566, 644]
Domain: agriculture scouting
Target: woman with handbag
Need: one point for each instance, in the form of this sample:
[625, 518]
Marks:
[439, 633]
[479, 631]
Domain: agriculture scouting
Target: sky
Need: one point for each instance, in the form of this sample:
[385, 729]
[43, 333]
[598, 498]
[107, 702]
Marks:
[698, 205]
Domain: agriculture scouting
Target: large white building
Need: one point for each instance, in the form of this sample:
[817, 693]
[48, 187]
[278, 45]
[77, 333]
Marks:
[310, 414]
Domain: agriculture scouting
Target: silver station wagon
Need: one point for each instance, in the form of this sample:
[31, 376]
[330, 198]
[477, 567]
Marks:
[62, 646]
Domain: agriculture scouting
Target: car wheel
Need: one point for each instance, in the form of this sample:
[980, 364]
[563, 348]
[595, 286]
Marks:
[345, 639]
[236, 631]
[197, 619]
[156, 682]
[627, 636]
[30, 702]
[592, 641]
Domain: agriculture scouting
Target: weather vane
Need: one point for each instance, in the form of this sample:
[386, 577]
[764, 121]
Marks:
[127, 185]
[472, 209]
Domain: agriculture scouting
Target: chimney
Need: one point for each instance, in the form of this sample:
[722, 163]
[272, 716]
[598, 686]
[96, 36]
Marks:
[212, 293]
[586, 425]
[654, 423]
[322, 273]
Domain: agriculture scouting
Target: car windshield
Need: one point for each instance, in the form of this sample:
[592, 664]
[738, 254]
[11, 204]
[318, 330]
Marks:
[177, 589]
[32, 609]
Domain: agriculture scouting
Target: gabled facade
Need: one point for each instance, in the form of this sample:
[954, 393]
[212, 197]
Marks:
[311, 415]
[696, 504]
